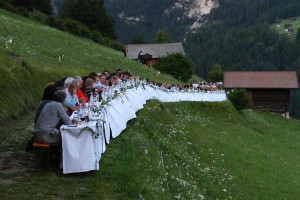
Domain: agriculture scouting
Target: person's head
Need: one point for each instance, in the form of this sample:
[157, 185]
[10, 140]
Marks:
[126, 75]
[79, 80]
[74, 85]
[106, 72]
[49, 92]
[68, 81]
[102, 79]
[89, 83]
[93, 75]
[59, 84]
[59, 96]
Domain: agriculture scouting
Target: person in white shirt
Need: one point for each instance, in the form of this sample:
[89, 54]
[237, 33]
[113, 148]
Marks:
[72, 100]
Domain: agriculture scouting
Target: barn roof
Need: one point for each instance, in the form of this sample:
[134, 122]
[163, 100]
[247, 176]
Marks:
[156, 50]
[283, 79]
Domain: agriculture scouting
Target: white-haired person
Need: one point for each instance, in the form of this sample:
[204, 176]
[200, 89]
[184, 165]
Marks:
[72, 101]
[68, 82]
[81, 96]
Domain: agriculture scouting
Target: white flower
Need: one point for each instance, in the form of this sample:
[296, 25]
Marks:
[145, 151]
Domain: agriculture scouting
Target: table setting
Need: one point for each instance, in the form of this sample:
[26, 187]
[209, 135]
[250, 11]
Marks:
[100, 121]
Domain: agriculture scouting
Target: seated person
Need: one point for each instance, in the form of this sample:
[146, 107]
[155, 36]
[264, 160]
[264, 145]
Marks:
[101, 83]
[48, 96]
[45, 130]
[88, 87]
[81, 96]
[72, 100]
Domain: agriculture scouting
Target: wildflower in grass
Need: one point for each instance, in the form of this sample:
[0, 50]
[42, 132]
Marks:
[8, 42]
[145, 151]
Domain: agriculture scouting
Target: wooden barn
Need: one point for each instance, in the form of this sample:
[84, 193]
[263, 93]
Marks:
[268, 91]
[152, 52]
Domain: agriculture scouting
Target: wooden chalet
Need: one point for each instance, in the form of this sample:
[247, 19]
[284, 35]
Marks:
[268, 91]
[152, 52]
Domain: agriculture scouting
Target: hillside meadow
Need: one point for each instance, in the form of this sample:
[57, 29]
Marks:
[184, 150]
[293, 22]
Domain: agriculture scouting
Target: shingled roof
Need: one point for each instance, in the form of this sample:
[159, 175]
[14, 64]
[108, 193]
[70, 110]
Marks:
[284, 80]
[156, 50]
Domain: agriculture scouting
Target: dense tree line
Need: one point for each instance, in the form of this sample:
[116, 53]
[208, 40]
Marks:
[44, 6]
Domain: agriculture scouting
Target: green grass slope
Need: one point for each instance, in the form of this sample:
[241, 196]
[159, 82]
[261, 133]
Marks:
[31, 61]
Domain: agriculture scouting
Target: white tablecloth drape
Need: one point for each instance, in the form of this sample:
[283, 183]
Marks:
[83, 145]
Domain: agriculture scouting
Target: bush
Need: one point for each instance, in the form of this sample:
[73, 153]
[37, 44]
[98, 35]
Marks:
[239, 98]
[76, 28]
[176, 65]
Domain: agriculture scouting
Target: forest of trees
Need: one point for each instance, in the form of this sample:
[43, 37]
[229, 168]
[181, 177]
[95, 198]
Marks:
[239, 38]
[152, 18]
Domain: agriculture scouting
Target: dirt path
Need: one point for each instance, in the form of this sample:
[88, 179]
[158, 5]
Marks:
[14, 161]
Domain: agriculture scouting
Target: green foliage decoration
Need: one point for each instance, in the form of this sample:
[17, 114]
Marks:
[176, 65]
[239, 98]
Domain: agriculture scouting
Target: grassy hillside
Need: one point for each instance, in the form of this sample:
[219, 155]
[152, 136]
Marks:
[170, 151]
[31, 61]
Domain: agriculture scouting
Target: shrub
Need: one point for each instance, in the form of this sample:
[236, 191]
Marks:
[239, 98]
[176, 65]
[76, 27]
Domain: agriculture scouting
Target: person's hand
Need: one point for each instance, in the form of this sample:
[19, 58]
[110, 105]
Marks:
[100, 89]
[83, 104]
[74, 121]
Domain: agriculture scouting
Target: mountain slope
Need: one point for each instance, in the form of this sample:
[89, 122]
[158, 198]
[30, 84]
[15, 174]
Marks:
[136, 18]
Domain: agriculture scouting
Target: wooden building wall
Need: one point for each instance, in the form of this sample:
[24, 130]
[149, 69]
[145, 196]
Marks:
[271, 100]
[150, 62]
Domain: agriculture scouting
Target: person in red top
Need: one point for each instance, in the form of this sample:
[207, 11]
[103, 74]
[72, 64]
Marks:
[83, 98]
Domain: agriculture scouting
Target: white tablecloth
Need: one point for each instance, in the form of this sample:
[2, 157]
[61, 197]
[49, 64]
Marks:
[82, 148]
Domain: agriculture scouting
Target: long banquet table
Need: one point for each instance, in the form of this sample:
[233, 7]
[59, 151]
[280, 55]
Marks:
[83, 144]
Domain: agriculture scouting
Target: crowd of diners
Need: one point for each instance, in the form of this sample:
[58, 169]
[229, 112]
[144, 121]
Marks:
[62, 97]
